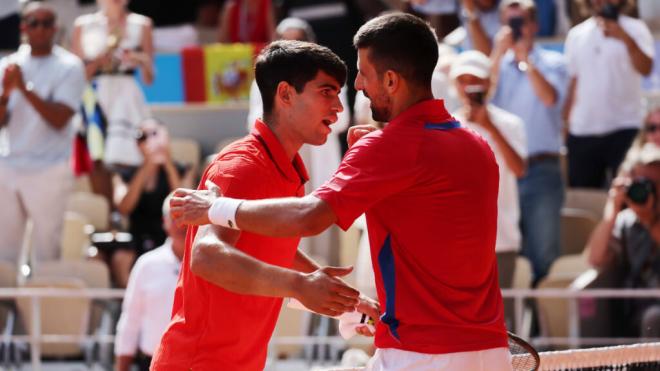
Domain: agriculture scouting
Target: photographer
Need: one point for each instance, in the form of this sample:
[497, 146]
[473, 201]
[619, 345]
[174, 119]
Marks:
[627, 239]
[140, 192]
[608, 54]
[505, 134]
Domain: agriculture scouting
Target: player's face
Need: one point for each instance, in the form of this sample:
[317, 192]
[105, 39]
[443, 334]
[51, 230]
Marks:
[371, 84]
[316, 108]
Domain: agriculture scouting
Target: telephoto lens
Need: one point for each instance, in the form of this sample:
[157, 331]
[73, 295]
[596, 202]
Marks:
[640, 190]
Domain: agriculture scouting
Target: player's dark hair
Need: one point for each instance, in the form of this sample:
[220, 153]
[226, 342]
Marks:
[295, 62]
[402, 43]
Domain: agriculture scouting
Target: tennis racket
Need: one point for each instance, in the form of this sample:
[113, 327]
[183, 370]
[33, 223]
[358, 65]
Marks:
[523, 356]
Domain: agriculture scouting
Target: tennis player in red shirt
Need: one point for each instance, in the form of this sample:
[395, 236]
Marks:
[429, 189]
[228, 299]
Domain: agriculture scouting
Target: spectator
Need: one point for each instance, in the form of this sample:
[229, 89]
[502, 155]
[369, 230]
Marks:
[442, 15]
[115, 43]
[531, 85]
[627, 238]
[140, 191]
[10, 20]
[505, 133]
[247, 21]
[174, 22]
[41, 88]
[607, 56]
[147, 306]
[481, 21]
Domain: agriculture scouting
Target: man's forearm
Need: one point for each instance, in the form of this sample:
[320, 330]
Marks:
[303, 263]
[56, 115]
[642, 63]
[124, 363]
[542, 88]
[230, 268]
[285, 217]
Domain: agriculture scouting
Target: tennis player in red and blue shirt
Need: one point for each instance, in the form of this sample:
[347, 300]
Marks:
[429, 189]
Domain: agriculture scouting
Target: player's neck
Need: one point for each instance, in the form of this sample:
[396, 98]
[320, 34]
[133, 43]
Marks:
[290, 142]
[408, 100]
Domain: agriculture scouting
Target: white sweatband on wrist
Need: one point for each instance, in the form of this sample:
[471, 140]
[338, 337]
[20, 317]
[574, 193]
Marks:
[223, 212]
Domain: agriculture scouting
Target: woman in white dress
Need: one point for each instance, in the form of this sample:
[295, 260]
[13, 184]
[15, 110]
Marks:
[114, 43]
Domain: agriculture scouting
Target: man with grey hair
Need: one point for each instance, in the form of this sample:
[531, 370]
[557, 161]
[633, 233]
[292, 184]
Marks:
[42, 86]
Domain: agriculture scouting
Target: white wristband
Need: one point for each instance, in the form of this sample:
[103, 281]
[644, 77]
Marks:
[223, 212]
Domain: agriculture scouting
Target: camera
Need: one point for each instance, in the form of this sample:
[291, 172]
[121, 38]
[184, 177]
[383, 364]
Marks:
[609, 11]
[516, 24]
[476, 94]
[640, 190]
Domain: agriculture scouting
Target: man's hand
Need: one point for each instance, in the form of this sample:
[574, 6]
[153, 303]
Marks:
[323, 292]
[503, 41]
[358, 131]
[371, 308]
[10, 78]
[189, 206]
[613, 29]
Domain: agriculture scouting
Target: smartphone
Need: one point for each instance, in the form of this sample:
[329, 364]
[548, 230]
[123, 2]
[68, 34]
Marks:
[516, 24]
[476, 94]
[610, 12]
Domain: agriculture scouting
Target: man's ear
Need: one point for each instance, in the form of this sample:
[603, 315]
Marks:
[284, 92]
[391, 81]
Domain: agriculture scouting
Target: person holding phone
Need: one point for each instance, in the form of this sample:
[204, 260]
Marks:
[608, 54]
[505, 133]
[530, 82]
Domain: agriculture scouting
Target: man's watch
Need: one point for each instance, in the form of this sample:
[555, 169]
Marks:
[470, 16]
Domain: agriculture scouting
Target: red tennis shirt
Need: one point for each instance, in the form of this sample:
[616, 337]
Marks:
[429, 189]
[216, 329]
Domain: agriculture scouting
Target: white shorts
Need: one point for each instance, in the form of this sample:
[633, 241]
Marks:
[496, 359]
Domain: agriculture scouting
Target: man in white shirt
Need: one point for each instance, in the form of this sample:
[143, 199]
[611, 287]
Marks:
[147, 306]
[505, 133]
[607, 56]
[41, 88]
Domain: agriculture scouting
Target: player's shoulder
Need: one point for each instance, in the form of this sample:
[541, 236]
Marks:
[242, 157]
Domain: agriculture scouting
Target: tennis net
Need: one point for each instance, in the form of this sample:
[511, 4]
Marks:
[637, 357]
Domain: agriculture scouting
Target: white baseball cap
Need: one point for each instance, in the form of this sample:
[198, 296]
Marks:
[471, 62]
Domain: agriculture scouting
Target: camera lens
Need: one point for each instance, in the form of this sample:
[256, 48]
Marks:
[640, 190]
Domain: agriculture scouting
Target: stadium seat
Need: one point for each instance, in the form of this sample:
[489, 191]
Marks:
[186, 151]
[576, 227]
[75, 239]
[93, 207]
[592, 200]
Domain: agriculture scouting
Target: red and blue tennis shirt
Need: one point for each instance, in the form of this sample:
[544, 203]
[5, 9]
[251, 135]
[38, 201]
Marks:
[429, 189]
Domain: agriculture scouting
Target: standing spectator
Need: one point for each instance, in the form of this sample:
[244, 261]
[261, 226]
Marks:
[147, 306]
[481, 21]
[174, 22]
[140, 191]
[247, 21]
[42, 86]
[505, 133]
[531, 85]
[114, 43]
[10, 20]
[607, 56]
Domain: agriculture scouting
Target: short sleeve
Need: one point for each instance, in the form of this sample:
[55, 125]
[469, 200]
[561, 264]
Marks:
[571, 58]
[556, 74]
[70, 89]
[371, 170]
[644, 39]
[516, 136]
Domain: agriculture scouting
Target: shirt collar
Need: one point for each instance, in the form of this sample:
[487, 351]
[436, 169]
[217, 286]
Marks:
[295, 170]
[431, 110]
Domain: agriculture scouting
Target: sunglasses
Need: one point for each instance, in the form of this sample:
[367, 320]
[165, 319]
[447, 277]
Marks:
[651, 127]
[46, 23]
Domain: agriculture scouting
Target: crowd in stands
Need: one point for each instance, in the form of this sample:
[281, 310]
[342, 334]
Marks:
[555, 121]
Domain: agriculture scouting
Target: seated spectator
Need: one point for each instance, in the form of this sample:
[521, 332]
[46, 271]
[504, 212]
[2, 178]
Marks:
[41, 89]
[627, 238]
[505, 133]
[147, 305]
[140, 191]
[608, 54]
[247, 21]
